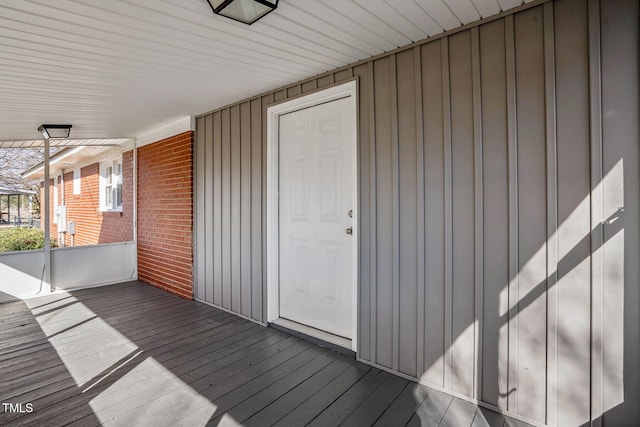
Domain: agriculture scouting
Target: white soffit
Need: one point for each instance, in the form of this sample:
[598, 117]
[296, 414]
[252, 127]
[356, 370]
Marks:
[166, 130]
[38, 143]
[117, 68]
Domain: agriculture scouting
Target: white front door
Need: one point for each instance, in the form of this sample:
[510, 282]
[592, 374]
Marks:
[316, 205]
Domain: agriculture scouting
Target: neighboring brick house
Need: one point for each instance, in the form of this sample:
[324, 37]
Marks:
[102, 208]
[95, 187]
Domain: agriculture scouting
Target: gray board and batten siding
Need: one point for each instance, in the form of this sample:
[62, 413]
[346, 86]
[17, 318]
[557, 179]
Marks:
[499, 224]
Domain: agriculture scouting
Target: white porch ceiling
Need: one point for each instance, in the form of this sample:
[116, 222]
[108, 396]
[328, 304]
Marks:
[119, 68]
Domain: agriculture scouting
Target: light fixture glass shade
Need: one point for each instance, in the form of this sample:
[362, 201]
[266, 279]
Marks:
[55, 131]
[246, 11]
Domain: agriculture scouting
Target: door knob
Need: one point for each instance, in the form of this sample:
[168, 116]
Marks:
[350, 230]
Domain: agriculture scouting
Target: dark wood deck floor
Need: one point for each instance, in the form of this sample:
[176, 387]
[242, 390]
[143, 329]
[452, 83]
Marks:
[130, 354]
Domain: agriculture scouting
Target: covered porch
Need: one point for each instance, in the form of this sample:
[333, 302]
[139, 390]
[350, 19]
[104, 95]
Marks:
[482, 183]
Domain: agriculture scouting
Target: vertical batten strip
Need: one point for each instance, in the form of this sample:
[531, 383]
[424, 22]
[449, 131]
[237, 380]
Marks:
[251, 167]
[245, 208]
[552, 215]
[478, 210]
[256, 211]
[395, 211]
[225, 204]
[448, 210]
[373, 207]
[216, 193]
[597, 216]
[238, 224]
[200, 212]
[207, 230]
[309, 86]
[234, 208]
[513, 212]
[421, 303]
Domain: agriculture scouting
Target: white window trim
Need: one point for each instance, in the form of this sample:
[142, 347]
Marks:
[56, 213]
[76, 182]
[113, 164]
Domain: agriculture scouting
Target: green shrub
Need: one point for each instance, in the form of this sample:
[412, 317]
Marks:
[21, 239]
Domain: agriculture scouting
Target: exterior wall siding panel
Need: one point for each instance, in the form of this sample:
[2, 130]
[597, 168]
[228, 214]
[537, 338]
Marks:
[434, 195]
[573, 211]
[407, 214]
[529, 343]
[620, 229]
[462, 214]
[495, 212]
[385, 351]
[477, 263]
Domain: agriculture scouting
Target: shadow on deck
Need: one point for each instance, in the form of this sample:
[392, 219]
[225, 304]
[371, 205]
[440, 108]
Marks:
[130, 354]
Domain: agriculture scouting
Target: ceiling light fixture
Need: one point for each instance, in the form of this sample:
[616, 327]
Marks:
[245, 11]
[55, 131]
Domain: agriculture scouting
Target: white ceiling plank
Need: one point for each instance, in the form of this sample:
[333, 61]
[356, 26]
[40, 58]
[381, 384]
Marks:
[464, 10]
[396, 20]
[334, 33]
[440, 12]
[508, 4]
[336, 19]
[487, 7]
[292, 30]
[411, 11]
[365, 17]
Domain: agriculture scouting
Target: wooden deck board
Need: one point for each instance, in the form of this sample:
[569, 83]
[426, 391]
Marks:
[242, 407]
[344, 405]
[130, 354]
[313, 406]
[286, 403]
[375, 405]
[459, 413]
[404, 406]
[431, 410]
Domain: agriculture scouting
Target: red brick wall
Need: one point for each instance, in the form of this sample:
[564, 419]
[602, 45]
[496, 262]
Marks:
[93, 226]
[165, 214]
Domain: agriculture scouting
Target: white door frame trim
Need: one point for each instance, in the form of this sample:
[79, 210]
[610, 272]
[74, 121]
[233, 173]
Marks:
[333, 93]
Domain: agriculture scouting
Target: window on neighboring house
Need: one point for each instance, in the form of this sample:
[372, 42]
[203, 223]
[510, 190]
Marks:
[111, 188]
[118, 185]
[56, 212]
[76, 182]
